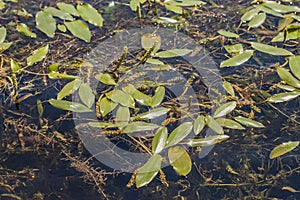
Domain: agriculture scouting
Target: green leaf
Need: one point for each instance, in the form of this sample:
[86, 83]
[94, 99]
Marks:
[280, 7]
[4, 46]
[106, 79]
[184, 2]
[283, 149]
[158, 96]
[106, 106]
[38, 55]
[199, 124]
[86, 95]
[68, 105]
[257, 20]
[40, 108]
[148, 171]
[62, 28]
[142, 98]
[103, 124]
[224, 109]
[160, 64]
[46, 23]
[179, 133]
[14, 66]
[228, 87]
[2, 34]
[79, 29]
[207, 141]
[173, 53]
[59, 13]
[247, 16]
[286, 87]
[134, 4]
[68, 89]
[159, 140]
[228, 34]
[180, 160]
[228, 123]
[90, 14]
[270, 49]
[248, 122]
[166, 20]
[69, 8]
[269, 11]
[283, 97]
[154, 113]
[123, 116]
[238, 59]
[122, 98]
[236, 48]
[139, 126]
[173, 8]
[286, 76]
[294, 62]
[214, 125]
[150, 40]
[57, 75]
[24, 29]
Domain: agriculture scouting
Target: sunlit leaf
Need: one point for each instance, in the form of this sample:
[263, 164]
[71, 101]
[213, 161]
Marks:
[179, 133]
[148, 171]
[257, 20]
[14, 66]
[4, 46]
[79, 29]
[123, 116]
[40, 108]
[154, 113]
[106, 106]
[283, 97]
[248, 122]
[270, 49]
[86, 95]
[62, 28]
[228, 123]
[68, 89]
[184, 2]
[155, 62]
[134, 4]
[269, 11]
[38, 55]
[180, 160]
[238, 59]
[174, 8]
[68, 105]
[199, 124]
[142, 98]
[90, 14]
[207, 141]
[280, 7]
[294, 62]
[122, 98]
[214, 125]
[139, 126]
[232, 49]
[283, 149]
[228, 87]
[166, 20]
[2, 34]
[228, 34]
[159, 140]
[247, 16]
[172, 53]
[158, 96]
[69, 8]
[57, 75]
[59, 13]
[224, 109]
[45, 23]
[106, 79]
[103, 124]
[286, 76]
[286, 87]
[150, 40]
[24, 29]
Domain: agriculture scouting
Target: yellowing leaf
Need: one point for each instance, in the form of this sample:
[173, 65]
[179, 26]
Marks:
[270, 49]
[46, 23]
[238, 59]
[79, 29]
[38, 55]
[283, 149]
[90, 14]
[180, 160]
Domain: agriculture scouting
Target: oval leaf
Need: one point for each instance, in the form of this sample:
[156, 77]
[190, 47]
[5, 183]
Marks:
[68, 89]
[270, 49]
[148, 171]
[238, 59]
[90, 14]
[280, 7]
[24, 29]
[179, 133]
[228, 123]
[228, 34]
[228, 87]
[37, 55]
[142, 98]
[79, 29]
[2, 34]
[286, 76]
[158, 96]
[139, 126]
[159, 140]
[172, 53]
[294, 62]
[257, 20]
[283, 149]
[180, 160]
[59, 13]
[45, 23]
[225, 109]
[106, 79]
[249, 122]
[154, 113]
[199, 124]
[106, 106]
[86, 95]
[123, 116]
[69, 8]
[68, 105]
[283, 97]
[214, 125]
[122, 98]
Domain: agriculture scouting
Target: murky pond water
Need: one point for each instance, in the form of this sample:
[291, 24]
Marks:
[46, 153]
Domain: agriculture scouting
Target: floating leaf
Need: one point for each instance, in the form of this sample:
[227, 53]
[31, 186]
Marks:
[106, 106]
[46, 23]
[142, 98]
[38, 55]
[159, 140]
[156, 62]
[270, 49]
[4, 46]
[57, 75]
[148, 171]
[286, 87]
[228, 34]
[224, 109]
[257, 20]
[214, 125]
[238, 59]
[249, 122]
[159, 67]
[103, 125]
[247, 16]
[154, 113]
[158, 96]
[40, 107]
[86, 95]
[199, 124]
[294, 62]
[123, 116]
[172, 53]
[2, 34]
[68, 89]
[150, 40]
[174, 8]
[106, 79]
[280, 7]
[79, 29]
[59, 13]
[207, 141]
[90, 14]
[23, 28]
[122, 98]
[228, 87]
[283, 149]
[62, 28]
[68, 105]
[286, 76]
[283, 97]
[179, 133]
[184, 3]
[180, 160]
[69, 8]
[236, 48]
[134, 4]
[139, 126]
[228, 123]
[14, 66]
[166, 20]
